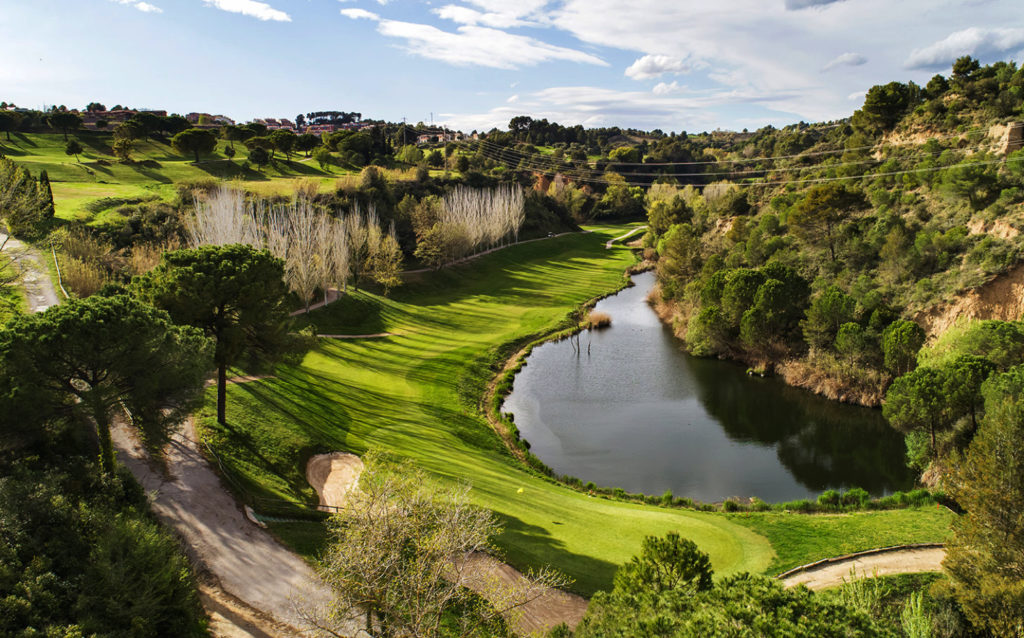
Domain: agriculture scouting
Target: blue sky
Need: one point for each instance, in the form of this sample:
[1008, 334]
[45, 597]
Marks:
[669, 64]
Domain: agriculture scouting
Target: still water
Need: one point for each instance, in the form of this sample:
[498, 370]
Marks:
[640, 414]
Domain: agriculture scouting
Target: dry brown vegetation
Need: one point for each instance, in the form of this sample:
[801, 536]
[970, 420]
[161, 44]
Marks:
[598, 319]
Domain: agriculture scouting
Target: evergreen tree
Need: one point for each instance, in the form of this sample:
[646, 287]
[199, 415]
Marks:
[92, 357]
[985, 559]
[235, 294]
[46, 194]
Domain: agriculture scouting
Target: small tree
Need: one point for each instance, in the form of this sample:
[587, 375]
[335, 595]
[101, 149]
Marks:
[964, 378]
[917, 402]
[307, 142]
[322, 155]
[196, 141]
[73, 147]
[387, 262]
[259, 157]
[283, 141]
[826, 314]
[398, 555]
[669, 563]
[819, 213]
[901, 341]
[45, 194]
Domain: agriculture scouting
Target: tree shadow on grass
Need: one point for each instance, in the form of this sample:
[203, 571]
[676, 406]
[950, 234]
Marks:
[229, 169]
[528, 546]
[24, 139]
[145, 169]
[10, 149]
[352, 314]
[289, 168]
[96, 144]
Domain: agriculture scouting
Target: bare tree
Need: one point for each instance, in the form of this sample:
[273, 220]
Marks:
[355, 231]
[400, 556]
[340, 255]
[302, 260]
[387, 261]
[478, 219]
[223, 217]
[318, 251]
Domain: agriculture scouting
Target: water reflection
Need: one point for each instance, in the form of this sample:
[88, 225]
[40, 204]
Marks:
[640, 414]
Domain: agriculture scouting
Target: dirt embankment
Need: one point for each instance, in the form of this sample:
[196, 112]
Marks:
[801, 373]
[1002, 298]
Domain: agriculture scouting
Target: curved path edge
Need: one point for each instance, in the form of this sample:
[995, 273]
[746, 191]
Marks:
[611, 242]
[245, 562]
[883, 561]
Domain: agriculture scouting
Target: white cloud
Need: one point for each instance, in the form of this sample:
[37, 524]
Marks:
[757, 46]
[145, 7]
[513, 99]
[500, 15]
[599, 106]
[661, 88]
[357, 14]
[856, 95]
[251, 8]
[465, 15]
[846, 59]
[973, 41]
[652, 66]
[480, 46]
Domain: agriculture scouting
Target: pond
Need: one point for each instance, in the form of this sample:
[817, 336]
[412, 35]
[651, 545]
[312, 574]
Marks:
[638, 413]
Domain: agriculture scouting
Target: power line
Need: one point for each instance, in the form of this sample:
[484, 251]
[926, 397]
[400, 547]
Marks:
[818, 180]
[537, 162]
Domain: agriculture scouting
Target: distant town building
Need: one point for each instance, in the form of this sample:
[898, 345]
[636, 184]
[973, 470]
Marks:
[206, 119]
[439, 136]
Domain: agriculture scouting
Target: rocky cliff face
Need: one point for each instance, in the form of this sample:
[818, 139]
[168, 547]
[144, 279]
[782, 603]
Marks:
[1002, 298]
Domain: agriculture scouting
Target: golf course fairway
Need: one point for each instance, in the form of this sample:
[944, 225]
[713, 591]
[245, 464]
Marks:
[416, 394]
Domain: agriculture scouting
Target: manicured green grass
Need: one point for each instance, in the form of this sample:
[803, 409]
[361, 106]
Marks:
[416, 394]
[803, 538]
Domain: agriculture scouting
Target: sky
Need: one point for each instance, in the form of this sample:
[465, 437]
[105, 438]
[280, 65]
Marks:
[676, 65]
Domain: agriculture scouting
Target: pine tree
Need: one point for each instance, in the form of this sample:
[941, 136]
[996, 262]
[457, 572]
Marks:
[46, 195]
[985, 559]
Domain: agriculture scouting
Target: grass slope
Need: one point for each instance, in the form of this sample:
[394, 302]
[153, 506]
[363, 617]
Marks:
[415, 394]
[153, 173]
[802, 538]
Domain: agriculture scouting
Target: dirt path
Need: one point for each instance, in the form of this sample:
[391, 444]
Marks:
[35, 274]
[611, 242]
[867, 565]
[246, 563]
[334, 475]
